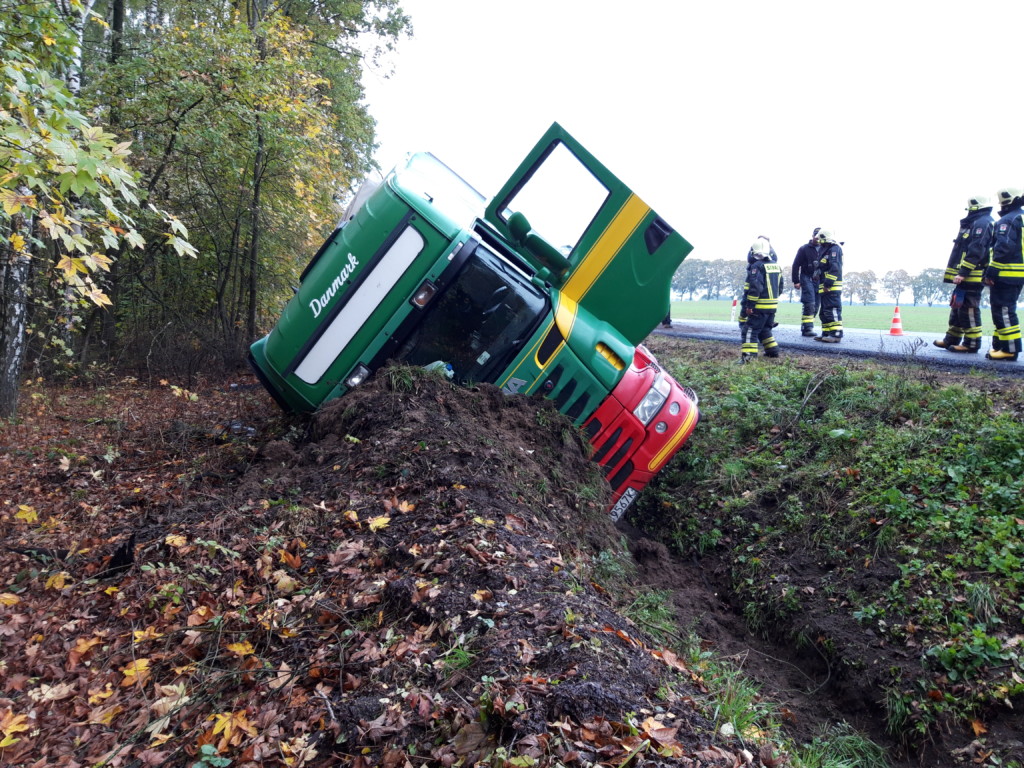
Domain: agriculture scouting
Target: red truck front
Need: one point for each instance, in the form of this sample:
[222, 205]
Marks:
[639, 427]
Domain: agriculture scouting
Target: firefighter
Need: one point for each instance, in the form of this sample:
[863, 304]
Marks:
[830, 287]
[1005, 276]
[805, 268]
[760, 300]
[967, 263]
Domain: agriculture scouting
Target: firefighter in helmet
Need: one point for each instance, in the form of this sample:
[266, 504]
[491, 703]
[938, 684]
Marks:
[1005, 275]
[760, 301]
[967, 263]
[830, 287]
[805, 269]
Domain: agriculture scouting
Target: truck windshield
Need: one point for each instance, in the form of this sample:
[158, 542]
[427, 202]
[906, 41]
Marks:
[479, 322]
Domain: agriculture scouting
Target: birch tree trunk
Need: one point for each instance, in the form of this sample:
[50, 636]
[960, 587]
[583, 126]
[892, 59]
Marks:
[15, 273]
[76, 23]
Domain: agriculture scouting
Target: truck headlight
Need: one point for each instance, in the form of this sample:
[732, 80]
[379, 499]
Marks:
[357, 377]
[653, 400]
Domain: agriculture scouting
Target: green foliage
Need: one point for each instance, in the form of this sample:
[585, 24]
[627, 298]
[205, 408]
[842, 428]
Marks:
[864, 472]
[208, 758]
[840, 746]
[58, 167]
[653, 611]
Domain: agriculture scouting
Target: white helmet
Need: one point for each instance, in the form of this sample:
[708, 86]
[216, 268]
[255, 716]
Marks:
[826, 235]
[978, 201]
[760, 249]
[1008, 194]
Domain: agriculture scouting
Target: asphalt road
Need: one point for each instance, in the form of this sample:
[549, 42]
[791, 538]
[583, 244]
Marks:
[910, 347]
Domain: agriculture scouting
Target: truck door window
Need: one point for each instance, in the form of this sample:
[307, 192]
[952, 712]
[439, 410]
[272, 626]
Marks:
[561, 197]
[479, 322]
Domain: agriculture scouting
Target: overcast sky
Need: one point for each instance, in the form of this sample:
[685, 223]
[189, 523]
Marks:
[731, 119]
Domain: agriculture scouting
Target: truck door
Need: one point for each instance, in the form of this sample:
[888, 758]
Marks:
[602, 246]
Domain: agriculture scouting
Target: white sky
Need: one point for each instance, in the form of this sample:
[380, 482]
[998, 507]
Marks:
[731, 119]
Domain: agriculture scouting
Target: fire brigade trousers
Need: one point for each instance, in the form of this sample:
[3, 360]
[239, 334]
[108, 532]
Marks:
[1006, 337]
[965, 321]
[758, 327]
[811, 300]
[832, 313]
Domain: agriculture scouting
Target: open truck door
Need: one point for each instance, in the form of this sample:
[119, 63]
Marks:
[594, 240]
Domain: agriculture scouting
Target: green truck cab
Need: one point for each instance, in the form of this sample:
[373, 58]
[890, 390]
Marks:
[549, 288]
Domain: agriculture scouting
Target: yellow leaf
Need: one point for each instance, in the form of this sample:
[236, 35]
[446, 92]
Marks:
[18, 243]
[111, 591]
[405, 506]
[149, 633]
[377, 523]
[351, 515]
[458, 487]
[12, 723]
[8, 598]
[135, 672]
[978, 727]
[57, 580]
[105, 716]
[482, 594]
[69, 266]
[232, 724]
[175, 540]
[99, 298]
[97, 260]
[47, 40]
[97, 695]
[242, 649]
[26, 513]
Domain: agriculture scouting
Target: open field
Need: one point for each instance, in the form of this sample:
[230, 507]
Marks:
[922, 319]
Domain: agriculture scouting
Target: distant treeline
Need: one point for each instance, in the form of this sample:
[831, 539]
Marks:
[724, 278]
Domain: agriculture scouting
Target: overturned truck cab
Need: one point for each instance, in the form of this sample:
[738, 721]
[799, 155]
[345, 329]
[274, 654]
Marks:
[549, 289]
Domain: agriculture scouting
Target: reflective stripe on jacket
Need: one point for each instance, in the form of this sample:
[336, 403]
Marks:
[1007, 264]
[970, 254]
[761, 291]
[830, 267]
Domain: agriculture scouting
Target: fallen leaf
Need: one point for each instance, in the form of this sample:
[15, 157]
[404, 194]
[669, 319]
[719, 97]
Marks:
[149, 633]
[27, 513]
[242, 649]
[199, 616]
[52, 692]
[97, 695]
[57, 580]
[8, 598]
[137, 672]
[377, 523]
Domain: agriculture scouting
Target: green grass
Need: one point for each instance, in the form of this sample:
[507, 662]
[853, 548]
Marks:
[920, 319]
[868, 473]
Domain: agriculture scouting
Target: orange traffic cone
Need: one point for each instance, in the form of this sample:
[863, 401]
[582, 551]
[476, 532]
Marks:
[897, 325]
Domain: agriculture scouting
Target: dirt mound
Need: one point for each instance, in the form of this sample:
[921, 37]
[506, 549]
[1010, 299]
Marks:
[475, 512]
[401, 580]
